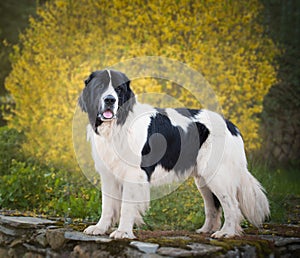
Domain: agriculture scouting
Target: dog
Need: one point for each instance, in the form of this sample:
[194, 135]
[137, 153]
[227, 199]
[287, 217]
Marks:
[136, 145]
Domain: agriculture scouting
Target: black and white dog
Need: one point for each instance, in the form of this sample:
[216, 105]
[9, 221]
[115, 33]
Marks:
[135, 145]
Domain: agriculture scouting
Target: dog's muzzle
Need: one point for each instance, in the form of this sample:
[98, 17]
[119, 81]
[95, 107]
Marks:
[108, 113]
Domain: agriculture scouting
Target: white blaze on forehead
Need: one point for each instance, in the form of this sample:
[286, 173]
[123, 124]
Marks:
[109, 74]
[110, 89]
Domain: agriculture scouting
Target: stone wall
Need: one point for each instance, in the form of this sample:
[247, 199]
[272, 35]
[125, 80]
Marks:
[281, 137]
[36, 237]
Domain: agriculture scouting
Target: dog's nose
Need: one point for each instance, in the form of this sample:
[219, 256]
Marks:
[109, 100]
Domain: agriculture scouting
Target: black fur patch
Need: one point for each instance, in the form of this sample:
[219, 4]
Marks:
[95, 85]
[232, 128]
[216, 201]
[170, 146]
[126, 101]
[188, 112]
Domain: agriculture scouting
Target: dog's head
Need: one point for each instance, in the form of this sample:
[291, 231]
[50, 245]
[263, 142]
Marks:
[106, 96]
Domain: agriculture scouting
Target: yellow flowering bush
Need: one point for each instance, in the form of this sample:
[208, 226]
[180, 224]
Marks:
[223, 40]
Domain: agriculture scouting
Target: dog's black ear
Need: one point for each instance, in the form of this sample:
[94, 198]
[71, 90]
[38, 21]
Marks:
[81, 103]
[126, 93]
[126, 101]
[87, 80]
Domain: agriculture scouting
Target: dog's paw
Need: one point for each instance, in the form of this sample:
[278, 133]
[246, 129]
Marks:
[222, 234]
[208, 229]
[117, 234]
[94, 230]
[204, 230]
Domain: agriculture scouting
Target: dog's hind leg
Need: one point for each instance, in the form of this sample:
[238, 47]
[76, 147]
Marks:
[232, 218]
[213, 210]
[226, 192]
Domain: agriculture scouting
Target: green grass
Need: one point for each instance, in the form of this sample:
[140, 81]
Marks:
[283, 189]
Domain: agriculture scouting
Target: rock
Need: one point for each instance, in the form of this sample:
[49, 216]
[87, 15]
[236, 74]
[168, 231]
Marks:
[233, 253]
[5, 239]
[174, 252]
[33, 255]
[41, 239]
[79, 236]
[282, 241]
[134, 253]
[3, 252]
[25, 222]
[80, 251]
[203, 249]
[7, 230]
[248, 251]
[148, 248]
[88, 250]
[16, 242]
[12, 253]
[56, 238]
[35, 249]
[294, 248]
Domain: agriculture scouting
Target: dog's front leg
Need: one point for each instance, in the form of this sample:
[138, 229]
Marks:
[135, 201]
[111, 204]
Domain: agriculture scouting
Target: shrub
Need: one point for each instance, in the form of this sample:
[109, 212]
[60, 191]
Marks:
[34, 187]
[221, 39]
[10, 145]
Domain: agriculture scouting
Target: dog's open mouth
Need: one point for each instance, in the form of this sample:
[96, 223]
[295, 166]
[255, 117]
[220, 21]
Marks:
[107, 115]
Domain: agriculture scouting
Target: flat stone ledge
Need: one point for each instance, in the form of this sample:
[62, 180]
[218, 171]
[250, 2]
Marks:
[25, 222]
[79, 236]
[195, 249]
[38, 237]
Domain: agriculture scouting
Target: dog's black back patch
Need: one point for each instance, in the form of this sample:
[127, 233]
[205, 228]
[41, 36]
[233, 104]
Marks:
[188, 112]
[170, 146]
[232, 128]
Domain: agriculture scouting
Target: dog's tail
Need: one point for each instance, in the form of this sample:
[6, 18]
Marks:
[253, 201]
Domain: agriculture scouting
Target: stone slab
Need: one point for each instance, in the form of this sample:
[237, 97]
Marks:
[148, 248]
[79, 236]
[202, 249]
[12, 231]
[281, 241]
[174, 252]
[56, 238]
[25, 222]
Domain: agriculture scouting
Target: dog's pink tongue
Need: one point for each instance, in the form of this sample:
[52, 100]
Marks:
[108, 114]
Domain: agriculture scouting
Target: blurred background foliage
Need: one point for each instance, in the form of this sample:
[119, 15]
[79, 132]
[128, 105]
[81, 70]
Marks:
[13, 20]
[225, 41]
[280, 127]
[247, 50]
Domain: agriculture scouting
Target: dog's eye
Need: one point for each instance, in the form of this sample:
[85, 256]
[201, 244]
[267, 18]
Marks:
[119, 89]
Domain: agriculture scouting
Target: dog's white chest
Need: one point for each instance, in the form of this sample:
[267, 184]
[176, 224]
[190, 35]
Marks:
[119, 147]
